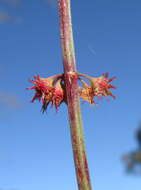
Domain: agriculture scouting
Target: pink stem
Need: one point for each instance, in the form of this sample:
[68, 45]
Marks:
[71, 78]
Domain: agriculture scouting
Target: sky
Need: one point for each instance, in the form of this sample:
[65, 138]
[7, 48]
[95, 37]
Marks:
[35, 148]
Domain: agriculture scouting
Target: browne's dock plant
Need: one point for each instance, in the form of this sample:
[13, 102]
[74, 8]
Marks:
[64, 88]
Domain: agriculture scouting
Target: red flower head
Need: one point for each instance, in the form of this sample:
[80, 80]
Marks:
[99, 88]
[47, 90]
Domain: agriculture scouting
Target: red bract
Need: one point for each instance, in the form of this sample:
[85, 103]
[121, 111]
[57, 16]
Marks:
[47, 92]
[86, 93]
[58, 95]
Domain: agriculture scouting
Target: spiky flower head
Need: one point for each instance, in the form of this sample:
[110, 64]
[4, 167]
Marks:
[48, 90]
[99, 87]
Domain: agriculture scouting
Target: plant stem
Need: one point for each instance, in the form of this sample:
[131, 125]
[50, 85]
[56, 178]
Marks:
[71, 77]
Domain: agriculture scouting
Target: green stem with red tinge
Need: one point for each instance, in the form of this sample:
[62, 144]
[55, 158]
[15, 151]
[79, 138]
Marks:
[71, 77]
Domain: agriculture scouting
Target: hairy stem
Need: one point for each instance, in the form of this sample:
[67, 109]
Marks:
[71, 77]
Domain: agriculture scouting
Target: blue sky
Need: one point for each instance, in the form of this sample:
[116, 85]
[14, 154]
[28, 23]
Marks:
[35, 149]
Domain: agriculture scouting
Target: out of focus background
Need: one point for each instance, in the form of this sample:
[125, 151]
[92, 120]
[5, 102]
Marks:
[35, 148]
